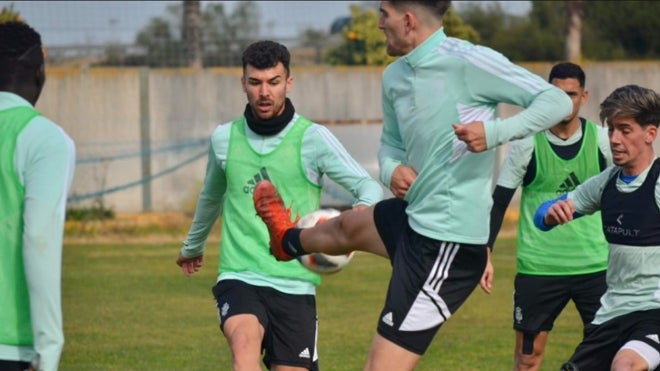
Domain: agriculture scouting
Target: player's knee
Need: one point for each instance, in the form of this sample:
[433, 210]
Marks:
[530, 354]
[627, 364]
[622, 364]
[243, 343]
[528, 361]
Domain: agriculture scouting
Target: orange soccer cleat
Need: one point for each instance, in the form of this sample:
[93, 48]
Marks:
[270, 208]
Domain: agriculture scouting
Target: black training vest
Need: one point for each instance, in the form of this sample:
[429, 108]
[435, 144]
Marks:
[632, 218]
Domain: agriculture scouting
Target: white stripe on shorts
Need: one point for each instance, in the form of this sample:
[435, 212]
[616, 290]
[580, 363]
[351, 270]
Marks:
[645, 351]
[429, 310]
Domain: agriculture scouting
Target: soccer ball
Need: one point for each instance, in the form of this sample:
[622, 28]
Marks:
[319, 262]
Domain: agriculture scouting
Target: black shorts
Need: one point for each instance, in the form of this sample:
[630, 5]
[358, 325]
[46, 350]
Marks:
[637, 330]
[13, 365]
[430, 279]
[538, 300]
[289, 321]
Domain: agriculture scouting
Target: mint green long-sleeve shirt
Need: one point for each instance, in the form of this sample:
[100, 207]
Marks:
[44, 161]
[446, 81]
[322, 154]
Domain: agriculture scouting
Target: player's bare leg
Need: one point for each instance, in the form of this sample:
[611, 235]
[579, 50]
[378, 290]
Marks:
[244, 334]
[529, 362]
[629, 360]
[352, 230]
[385, 355]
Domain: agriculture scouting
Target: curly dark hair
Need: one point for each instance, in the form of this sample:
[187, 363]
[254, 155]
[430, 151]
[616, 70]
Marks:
[266, 54]
[20, 50]
[567, 70]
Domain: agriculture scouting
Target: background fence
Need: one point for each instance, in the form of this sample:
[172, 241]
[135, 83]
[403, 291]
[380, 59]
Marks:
[142, 134]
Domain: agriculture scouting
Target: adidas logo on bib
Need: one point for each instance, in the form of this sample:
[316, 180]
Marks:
[258, 177]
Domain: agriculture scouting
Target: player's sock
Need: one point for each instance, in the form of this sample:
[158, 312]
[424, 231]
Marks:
[291, 242]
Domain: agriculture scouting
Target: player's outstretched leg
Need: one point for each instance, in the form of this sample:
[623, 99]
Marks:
[270, 207]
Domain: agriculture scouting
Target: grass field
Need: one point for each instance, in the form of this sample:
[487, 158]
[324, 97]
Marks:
[128, 307]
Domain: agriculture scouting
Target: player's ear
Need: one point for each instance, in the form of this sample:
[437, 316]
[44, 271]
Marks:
[585, 96]
[289, 83]
[651, 133]
[409, 20]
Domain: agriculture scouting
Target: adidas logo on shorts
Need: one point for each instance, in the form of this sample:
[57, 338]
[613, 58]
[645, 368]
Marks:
[304, 353]
[388, 319]
[653, 337]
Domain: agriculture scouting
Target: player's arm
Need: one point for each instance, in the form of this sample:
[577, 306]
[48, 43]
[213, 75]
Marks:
[209, 205]
[657, 193]
[604, 151]
[553, 212]
[394, 171]
[583, 200]
[46, 167]
[324, 153]
[501, 199]
[511, 177]
[401, 181]
[512, 173]
[504, 82]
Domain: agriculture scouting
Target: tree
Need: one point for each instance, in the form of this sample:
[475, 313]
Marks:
[7, 14]
[226, 35]
[538, 36]
[169, 41]
[455, 26]
[315, 39]
[574, 30]
[551, 31]
[192, 42]
[621, 29]
[160, 42]
[363, 43]
[488, 20]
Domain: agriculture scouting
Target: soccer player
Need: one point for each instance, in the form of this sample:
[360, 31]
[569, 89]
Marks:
[565, 264]
[625, 333]
[266, 305]
[439, 102]
[37, 161]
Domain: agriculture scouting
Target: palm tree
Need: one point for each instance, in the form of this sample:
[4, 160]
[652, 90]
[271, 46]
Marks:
[574, 30]
[192, 43]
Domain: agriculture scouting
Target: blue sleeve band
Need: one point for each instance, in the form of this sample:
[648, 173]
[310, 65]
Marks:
[539, 216]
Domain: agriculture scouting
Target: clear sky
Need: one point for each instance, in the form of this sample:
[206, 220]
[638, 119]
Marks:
[100, 22]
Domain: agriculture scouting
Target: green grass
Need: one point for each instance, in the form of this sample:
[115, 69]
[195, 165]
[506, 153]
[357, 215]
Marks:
[128, 307]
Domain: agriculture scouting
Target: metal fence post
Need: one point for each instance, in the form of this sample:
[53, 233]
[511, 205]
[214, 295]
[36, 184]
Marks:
[145, 139]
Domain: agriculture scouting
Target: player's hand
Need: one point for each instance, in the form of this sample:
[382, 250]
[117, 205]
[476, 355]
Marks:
[190, 265]
[486, 282]
[561, 212]
[360, 207]
[34, 365]
[473, 134]
[402, 178]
